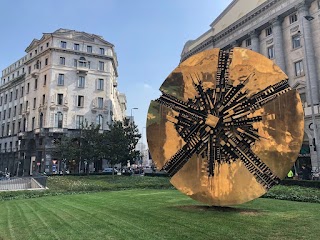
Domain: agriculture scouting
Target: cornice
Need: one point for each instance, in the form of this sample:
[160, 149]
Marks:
[250, 17]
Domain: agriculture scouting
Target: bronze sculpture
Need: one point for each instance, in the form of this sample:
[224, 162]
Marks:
[227, 127]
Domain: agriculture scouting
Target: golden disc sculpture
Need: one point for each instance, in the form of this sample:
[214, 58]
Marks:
[227, 126]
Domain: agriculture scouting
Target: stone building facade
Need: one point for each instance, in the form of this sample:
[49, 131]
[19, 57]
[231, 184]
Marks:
[65, 79]
[286, 31]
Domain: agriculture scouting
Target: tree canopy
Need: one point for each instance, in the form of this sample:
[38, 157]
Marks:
[116, 145]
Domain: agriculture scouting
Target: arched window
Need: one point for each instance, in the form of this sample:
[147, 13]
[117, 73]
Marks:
[99, 121]
[41, 120]
[82, 62]
[59, 120]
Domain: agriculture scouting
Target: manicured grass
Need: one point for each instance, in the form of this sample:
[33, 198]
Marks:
[154, 214]
[66, 185]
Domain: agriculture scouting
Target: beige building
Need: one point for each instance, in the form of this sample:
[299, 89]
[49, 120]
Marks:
[286, 31]
[66, 78]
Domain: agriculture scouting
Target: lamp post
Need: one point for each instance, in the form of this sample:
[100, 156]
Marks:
[131, 117]
[315, 129]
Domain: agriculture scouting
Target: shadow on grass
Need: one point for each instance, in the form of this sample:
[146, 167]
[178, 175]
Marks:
[202, 208]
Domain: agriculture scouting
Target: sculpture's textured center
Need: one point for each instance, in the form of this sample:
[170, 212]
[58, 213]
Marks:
[212, 120]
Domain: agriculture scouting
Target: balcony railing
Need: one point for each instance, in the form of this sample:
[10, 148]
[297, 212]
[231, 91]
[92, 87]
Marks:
[308, 110]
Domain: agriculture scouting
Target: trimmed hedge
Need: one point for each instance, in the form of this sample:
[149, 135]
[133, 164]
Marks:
[301, 183]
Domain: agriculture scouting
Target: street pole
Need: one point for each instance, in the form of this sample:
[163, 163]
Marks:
[131, 116]
[131, 121]
[315, 129]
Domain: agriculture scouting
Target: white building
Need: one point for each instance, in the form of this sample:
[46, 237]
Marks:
[67, 77]
[286, 31]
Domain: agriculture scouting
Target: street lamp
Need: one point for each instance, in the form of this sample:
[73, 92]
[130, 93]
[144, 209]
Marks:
[131, 117]
[315, 129]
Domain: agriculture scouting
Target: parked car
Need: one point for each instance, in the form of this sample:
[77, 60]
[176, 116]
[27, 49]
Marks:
[109, 170]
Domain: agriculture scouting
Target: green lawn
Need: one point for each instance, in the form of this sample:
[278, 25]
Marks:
[154, 214]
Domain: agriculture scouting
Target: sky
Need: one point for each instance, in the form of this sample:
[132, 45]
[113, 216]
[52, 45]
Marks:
[148, 36]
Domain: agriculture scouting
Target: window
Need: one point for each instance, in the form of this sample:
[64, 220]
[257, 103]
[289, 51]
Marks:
[271, 52]
[101, 66]
[33, 121]
[268, 31]
[47, 44]
[27, 105]
[15, 111]
[43, 99]
[34, 103]
[61, 79]
[298, 67]
[296, 41]
[13, 127]
[41, 48]
[10, 98]
[248, 42]
[293, 18]
[5, 98]
[22, 70]
[28, 87]
[44, 80]
[41, 120]
[17, 92]
[9, 112]
[35, 83]
[22, 91]
[99, 121]
[100, 84]
[29, 69]
[4, 115]
[62, 61]
[81, 81]
[75, 62]
[58, 120]
[46, 61]
[80, 101]
[60, 99]
[76, 47]
[102, 51]
[1, 101]
[19, 126]
[79, 121]
[82, 62]
[89, 49]
[20, 109]
[63, 44]
[100, 102]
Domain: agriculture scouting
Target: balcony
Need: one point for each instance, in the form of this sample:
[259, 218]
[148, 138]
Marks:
[22, 135]
[58, 130]
[308, 111]
[39, 131]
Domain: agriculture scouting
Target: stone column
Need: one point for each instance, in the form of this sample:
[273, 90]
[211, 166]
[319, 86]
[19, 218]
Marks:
[278, 43]
[309, 59]
[255, 42]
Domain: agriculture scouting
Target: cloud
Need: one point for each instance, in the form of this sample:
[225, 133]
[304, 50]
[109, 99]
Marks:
[147, 86]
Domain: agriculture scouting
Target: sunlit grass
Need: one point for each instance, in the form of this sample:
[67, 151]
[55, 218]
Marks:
[154, 214]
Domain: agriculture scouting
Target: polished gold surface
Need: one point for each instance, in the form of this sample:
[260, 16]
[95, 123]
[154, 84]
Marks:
[227, 126]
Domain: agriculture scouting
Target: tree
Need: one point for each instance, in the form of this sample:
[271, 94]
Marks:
[90, 144]
[119, 143]
[66, 149]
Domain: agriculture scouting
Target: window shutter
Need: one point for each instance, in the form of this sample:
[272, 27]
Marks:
[65, 119]
[52, 120]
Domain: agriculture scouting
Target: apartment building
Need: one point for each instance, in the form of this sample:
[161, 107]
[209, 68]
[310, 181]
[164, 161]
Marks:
[286, 31]
[64, 79]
